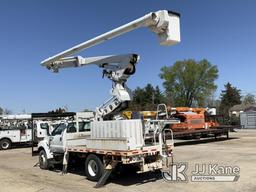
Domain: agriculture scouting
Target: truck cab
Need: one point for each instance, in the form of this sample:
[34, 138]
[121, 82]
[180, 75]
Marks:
[68, 131]
[73, 132]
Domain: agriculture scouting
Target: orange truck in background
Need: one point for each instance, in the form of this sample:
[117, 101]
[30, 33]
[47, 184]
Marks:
[190, 119]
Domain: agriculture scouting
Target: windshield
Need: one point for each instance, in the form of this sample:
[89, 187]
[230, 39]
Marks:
[59, 129]
[55, 125]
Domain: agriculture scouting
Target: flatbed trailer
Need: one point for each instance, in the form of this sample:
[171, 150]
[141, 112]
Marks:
[211, 132]
[196, 133]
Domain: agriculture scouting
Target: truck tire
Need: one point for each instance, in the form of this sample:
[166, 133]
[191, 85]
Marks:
[43, 161]
[5, 144]
[94, 168]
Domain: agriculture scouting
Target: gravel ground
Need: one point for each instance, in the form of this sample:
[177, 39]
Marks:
[17, 171]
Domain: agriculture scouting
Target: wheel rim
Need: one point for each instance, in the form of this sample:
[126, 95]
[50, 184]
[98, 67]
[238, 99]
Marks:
[42, 159]
[5, 145]
[92, 168]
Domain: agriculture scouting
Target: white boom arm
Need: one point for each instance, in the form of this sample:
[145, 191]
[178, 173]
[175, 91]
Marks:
[166, 24]
[117, 68]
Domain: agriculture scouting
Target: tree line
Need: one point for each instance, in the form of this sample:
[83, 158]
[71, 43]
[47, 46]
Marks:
[186, 83]
[189, 83]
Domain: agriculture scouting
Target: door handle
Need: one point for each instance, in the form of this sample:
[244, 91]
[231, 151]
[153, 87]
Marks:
[60, 138]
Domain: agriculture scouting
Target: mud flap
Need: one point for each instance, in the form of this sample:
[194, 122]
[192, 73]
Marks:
[108, 170]
[65, 163]
[167, 162]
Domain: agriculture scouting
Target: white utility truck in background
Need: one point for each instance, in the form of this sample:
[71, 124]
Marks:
[16, 129]
[110, 142]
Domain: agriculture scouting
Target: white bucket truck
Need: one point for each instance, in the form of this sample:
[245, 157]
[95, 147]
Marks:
[109, 141]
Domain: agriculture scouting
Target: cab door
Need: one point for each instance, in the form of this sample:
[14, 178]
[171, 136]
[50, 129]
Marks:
[56, 140]
[43, 128]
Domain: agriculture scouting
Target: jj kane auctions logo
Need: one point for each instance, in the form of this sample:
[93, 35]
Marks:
[202, 173]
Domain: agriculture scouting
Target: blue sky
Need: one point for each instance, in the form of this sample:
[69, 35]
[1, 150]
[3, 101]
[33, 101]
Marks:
[223, 32]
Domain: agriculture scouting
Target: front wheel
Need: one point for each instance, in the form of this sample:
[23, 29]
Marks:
[5, 144]
[43, 161]
[93, 167]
